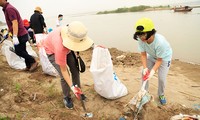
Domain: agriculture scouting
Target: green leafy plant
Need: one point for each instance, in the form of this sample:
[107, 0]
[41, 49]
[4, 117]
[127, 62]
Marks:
[18, 87]
[18, 116]
[52, 92]
[4, 118]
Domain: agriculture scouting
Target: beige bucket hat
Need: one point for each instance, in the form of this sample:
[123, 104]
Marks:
[75, 37]
[38, 9]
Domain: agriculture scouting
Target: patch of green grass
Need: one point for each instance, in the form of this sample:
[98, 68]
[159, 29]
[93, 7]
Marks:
[18, 87]
[4, 118]
[52, 91]
[18, 116]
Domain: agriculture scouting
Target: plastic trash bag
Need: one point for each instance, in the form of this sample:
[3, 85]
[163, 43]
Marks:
[185, 117]
[39, 37]
[47, 67]
[13, 60]
[30, 50]
[106, 82]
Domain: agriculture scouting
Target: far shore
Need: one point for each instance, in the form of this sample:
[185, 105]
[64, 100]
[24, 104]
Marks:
[135, 9]
[142, 8]
[2, 24]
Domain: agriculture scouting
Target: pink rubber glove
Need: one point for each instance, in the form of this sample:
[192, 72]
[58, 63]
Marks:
[77, 91]
[149, 75]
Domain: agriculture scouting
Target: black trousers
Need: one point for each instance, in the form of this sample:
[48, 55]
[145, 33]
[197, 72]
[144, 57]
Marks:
[20, 50]
[31, 34]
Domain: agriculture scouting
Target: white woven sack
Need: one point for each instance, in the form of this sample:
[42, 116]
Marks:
[30, 50]
[47, 67]
[13, 60]
[106, 83]
[39, 37]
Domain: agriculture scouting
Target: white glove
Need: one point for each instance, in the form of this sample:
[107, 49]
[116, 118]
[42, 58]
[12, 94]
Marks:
[152, 72]
[15, 40]
[145, 70]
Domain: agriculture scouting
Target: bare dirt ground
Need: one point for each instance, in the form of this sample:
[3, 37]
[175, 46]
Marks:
[36, 96]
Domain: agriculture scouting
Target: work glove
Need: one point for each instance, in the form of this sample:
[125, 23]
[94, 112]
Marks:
[148, 75]
[145, 71]
[77, 91]
[15, 40]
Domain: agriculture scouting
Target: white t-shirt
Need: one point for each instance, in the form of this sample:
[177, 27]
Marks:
[58, 23]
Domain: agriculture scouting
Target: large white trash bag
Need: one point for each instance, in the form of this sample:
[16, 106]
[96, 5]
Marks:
[39, 37]
[30, 50]
[13, 60]
[106, 83]
[47, 67]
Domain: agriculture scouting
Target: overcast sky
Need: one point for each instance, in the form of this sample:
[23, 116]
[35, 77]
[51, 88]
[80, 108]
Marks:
[67, 7]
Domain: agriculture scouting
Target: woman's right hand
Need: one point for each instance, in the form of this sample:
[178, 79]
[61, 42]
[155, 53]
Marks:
[77, 91]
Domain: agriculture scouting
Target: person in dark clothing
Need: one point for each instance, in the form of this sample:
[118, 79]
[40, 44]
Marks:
[37, 22]
[19, 34]
[30, 31]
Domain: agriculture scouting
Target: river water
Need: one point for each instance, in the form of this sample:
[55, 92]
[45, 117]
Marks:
[182, 30]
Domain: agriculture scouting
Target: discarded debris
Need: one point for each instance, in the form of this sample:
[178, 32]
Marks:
[185, 117]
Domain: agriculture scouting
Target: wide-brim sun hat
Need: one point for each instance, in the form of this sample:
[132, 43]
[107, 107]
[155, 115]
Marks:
[75, 37]
[144, 25]
[38, 9]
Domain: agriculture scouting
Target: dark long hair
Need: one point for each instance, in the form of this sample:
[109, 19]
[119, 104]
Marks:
[149, 34]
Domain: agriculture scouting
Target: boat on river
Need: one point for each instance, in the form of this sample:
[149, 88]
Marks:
[182, 9]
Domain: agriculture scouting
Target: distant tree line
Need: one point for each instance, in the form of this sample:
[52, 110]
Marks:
[132, 9]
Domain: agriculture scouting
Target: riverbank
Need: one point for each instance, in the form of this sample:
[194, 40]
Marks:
[25, 95]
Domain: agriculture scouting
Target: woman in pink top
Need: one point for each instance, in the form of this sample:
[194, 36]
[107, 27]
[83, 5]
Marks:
[58, 46]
